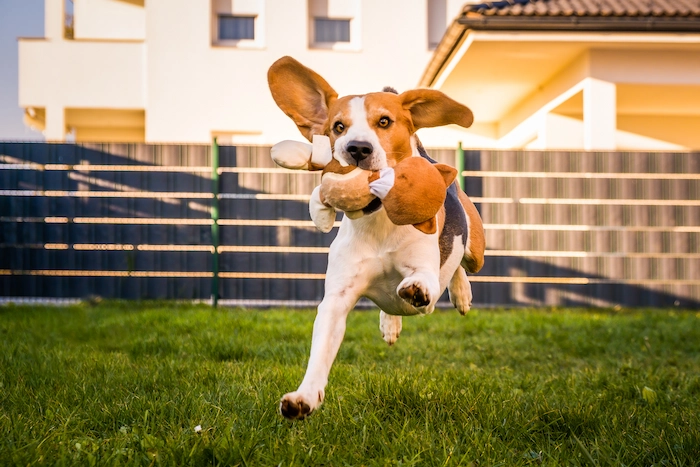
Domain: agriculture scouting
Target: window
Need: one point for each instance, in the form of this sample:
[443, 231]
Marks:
[335, 24]
[437, 22]
[331, 30]
[238, 23]
[68, 20]
[236, 27]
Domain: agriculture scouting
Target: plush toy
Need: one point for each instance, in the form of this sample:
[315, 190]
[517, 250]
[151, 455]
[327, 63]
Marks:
[303, 156]
[412, 192]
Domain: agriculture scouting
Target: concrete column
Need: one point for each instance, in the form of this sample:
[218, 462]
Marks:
[599, 115]
[561, 132]
[54, 19]
[55, 129]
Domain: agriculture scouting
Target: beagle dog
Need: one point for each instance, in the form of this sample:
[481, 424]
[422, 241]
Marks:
[401, 269]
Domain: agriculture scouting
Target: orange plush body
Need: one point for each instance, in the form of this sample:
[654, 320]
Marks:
[417, 195]
[346, 188]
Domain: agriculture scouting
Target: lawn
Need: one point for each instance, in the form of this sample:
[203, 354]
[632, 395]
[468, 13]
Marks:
[126, 384]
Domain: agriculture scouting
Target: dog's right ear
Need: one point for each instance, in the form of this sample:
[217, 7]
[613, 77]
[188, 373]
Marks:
[302, 94]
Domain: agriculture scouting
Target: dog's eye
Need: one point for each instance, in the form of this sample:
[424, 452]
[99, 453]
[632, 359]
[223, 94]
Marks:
[338, 127]
[384, 122]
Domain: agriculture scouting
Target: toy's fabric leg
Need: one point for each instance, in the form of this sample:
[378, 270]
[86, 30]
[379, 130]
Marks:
[322, 215]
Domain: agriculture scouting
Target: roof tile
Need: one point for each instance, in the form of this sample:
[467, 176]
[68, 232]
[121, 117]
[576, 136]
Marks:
[588, 8]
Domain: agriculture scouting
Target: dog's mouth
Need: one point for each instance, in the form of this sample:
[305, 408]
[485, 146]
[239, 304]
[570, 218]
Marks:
[373, 206]
[361, 165]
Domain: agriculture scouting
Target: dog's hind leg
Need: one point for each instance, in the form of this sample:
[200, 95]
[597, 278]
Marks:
[460, 291]
[390, 326]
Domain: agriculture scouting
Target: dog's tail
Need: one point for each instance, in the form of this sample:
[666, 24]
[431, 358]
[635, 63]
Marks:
[473, 259]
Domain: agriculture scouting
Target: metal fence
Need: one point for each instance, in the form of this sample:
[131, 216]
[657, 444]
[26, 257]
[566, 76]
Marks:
[135, 221]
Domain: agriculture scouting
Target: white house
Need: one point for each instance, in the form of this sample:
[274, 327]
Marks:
[569, 74]
[187, 70]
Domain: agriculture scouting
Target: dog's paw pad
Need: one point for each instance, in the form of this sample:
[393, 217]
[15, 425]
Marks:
[390, 337]
[414, 295]
[294, 410]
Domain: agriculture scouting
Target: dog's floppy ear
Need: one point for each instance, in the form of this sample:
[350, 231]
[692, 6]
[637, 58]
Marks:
[431, 108]
[302, 94]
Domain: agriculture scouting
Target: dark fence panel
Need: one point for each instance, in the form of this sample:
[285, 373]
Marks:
[588, 228]
[266, 231]
[134, 221]
[105, 219]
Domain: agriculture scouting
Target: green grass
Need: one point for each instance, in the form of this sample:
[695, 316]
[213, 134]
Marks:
[125, 384]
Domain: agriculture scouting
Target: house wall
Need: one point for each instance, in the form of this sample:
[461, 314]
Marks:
[679, 130]
[164, 58]
[223, 90]
[109, 19]
[81, 74]
[59, 75]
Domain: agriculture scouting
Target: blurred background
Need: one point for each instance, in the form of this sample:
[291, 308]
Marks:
[151, 176]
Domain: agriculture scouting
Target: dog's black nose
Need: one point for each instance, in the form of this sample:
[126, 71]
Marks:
[359, 150]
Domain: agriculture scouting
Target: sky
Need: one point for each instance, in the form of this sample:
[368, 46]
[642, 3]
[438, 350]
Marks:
[18, 18]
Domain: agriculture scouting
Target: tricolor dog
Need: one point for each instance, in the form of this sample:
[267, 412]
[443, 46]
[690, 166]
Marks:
[400, 268]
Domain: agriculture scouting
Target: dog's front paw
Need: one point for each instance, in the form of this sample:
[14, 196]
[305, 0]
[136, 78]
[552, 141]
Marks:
[295, 406]
[414, 293]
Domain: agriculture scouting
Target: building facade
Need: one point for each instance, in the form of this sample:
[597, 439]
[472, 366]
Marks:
[538, 74]
[564, 74]
[189, 70]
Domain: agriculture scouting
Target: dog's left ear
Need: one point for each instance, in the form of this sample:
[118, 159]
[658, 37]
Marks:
[302, 94]
[431, 108]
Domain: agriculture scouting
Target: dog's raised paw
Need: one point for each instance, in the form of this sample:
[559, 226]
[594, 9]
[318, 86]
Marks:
[294, 409]
[414, 295]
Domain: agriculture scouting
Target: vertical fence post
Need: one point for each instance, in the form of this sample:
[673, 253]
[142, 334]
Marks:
[215, 222]
[459, 162]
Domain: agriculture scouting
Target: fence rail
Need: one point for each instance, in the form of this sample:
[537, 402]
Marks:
[135, 221]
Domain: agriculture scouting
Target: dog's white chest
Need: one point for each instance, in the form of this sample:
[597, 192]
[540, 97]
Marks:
[373, 257]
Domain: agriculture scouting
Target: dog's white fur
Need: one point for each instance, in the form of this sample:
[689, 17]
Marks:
[370, 257]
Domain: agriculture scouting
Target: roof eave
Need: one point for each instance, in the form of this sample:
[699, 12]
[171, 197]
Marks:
[461, 27]
[581, 23]
[450, 41]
